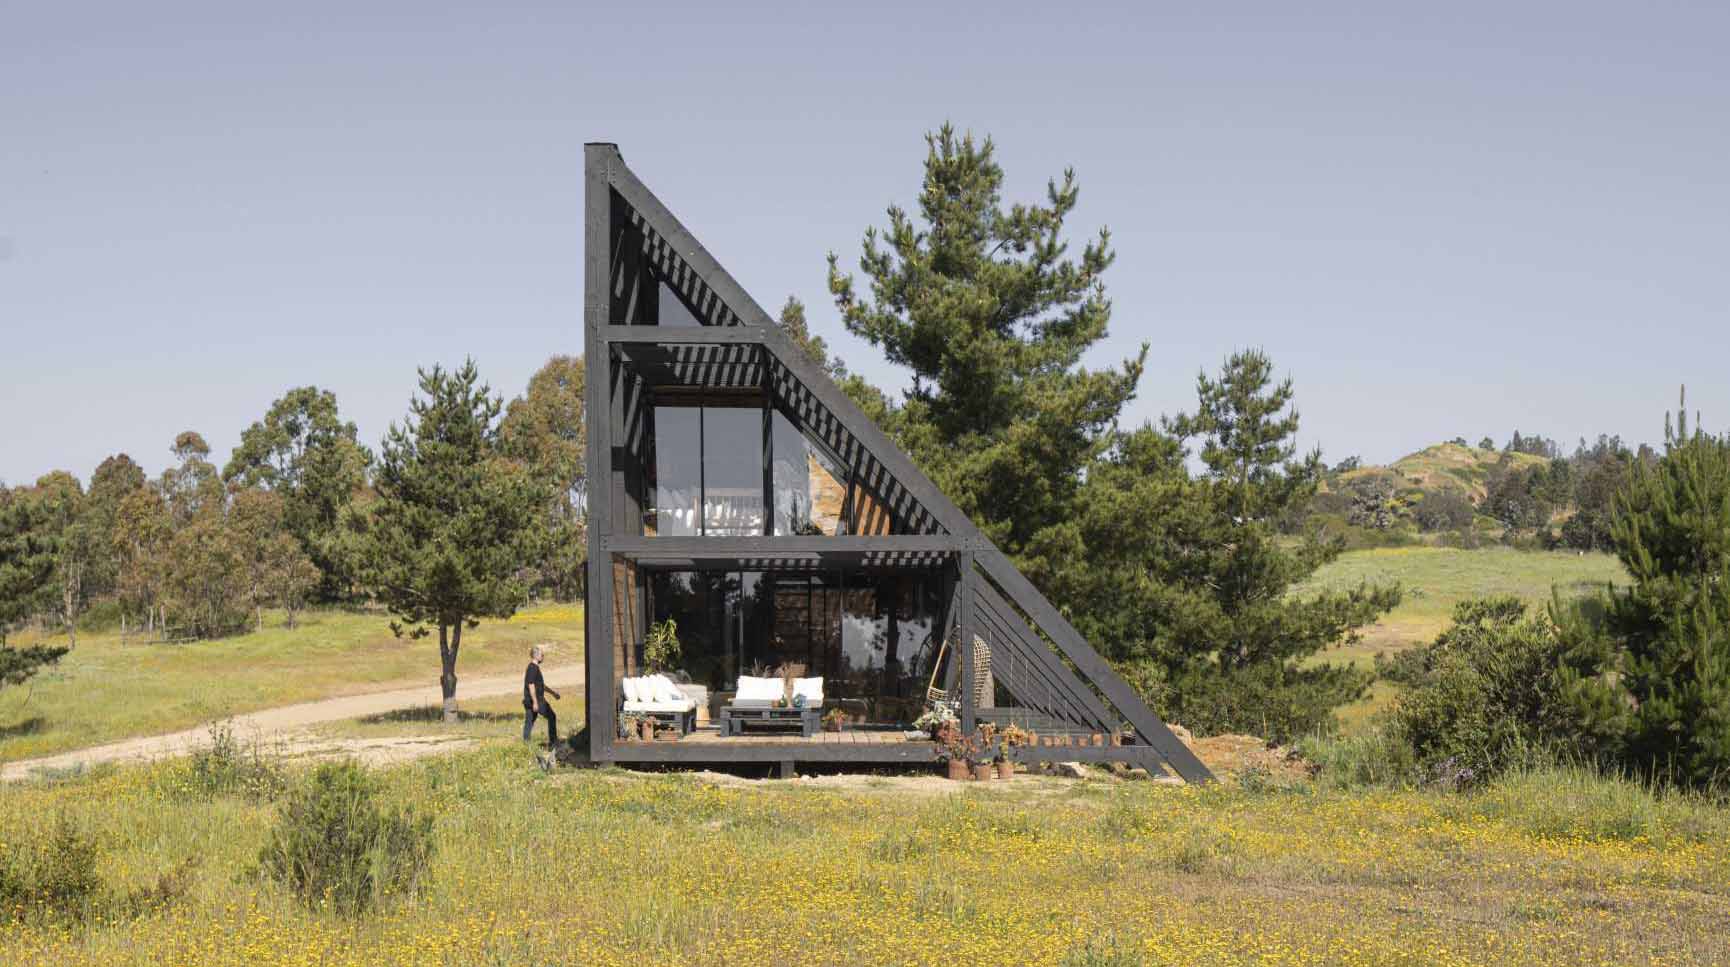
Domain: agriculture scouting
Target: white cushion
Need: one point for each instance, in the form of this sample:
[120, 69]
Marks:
[811, 689]
[666, 691]
[759, 689]
[632, 692]
[684, 706]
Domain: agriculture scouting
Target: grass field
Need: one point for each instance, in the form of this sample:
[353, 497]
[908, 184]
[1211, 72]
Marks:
[1437, 578]
[105, 691]
[606, 867]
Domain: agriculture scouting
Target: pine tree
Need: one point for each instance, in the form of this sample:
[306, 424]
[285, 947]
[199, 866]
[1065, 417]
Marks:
[1658, 682]
[1179, 581]
[455, 518]
[1201, 602]
[27, 569]
[991, 313]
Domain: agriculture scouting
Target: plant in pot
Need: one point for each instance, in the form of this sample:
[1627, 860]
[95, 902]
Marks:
[661, 648]
[954, 754]
[630, 725]
[1012, 737]
[940, 722]
[975, 753]
[833, 719]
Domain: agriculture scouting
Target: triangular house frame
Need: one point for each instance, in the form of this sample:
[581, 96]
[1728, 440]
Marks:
[634, 246]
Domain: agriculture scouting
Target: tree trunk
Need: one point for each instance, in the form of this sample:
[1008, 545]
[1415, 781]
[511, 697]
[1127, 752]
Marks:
[450, 640]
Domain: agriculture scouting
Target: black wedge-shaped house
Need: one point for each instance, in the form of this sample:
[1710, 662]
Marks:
[736, 492]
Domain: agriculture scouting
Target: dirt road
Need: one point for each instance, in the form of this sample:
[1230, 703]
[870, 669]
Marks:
[277, 722]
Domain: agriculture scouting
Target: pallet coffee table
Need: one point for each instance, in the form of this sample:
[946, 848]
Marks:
[735, 717]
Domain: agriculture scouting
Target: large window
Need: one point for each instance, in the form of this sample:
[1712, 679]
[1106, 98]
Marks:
[873, 637]
[678, 481]
[732, 471]
[810, 486]
[707, 473]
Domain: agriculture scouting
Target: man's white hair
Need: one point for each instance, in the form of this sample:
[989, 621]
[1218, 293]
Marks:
[536, 651]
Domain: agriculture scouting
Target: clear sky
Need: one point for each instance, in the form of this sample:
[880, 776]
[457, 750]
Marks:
[1447, 219]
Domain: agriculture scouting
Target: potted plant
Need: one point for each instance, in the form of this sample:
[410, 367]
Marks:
[976, 752]
[630, 725]
[833, 719]
[1013, 737]
[941, 722]
[661, 646]
[955, 753]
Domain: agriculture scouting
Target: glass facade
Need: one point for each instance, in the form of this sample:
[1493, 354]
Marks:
[705, 475]
[678, 478]
[732, 471]
[873, 637]
[810, 486]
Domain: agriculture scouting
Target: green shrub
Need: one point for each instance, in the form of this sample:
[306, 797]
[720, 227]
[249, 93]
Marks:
[53, 880]
[334, 846]
[223, 767]
[1106, 951]
[1278, 702]
[1484, 695]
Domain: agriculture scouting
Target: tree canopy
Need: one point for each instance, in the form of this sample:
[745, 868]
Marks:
[306, 452]
[455, 517]
[1178, 579]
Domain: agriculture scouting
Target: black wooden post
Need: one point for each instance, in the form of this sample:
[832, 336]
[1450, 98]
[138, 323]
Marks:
[964, 650]
[597, 314]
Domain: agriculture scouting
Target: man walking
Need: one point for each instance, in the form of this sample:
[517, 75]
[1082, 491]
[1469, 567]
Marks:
[535, 699]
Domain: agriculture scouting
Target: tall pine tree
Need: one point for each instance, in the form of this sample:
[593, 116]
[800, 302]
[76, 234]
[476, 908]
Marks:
[1652, 682]
[1178, 580]
[456, 520]
[988, 308]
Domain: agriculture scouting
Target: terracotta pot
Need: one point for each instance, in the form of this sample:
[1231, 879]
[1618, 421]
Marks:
[646, 730]
[1098, 739]
[958, 770]
[1005, 769]
[982, 770]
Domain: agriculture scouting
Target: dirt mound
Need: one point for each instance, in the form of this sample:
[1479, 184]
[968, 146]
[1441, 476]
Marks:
[1232, 756]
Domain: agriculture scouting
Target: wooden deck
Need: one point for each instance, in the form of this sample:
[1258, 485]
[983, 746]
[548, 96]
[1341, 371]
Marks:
[845, 737]
[851, 745]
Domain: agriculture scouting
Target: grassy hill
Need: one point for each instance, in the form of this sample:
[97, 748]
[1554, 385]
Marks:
[1443, 467]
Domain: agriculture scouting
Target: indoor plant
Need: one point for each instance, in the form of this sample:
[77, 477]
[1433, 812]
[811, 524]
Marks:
[661, 646]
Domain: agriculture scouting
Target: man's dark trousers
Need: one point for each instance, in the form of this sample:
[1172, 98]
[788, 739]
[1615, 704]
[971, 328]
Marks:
[546, 712]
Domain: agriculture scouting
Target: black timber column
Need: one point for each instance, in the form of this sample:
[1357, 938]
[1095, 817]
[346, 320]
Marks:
[964, 650]
[597, 312]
